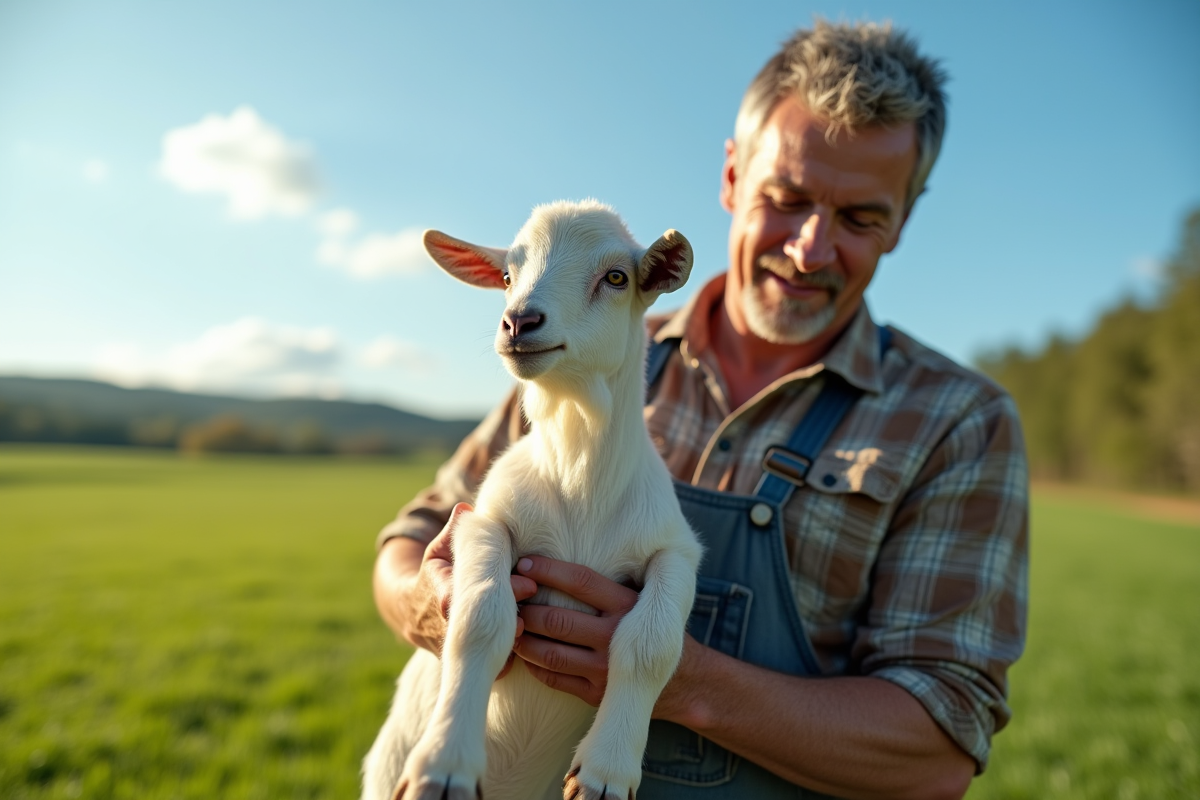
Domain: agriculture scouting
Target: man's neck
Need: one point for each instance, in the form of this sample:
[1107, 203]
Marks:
[750, 364]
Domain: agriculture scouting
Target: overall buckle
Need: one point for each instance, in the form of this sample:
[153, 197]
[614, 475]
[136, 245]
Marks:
[784, 463]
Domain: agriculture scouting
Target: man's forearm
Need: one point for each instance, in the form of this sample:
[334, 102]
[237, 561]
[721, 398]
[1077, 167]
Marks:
[396, 569]
[853, 737]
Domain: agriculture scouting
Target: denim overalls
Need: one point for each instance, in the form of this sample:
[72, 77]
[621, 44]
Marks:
[744, 604]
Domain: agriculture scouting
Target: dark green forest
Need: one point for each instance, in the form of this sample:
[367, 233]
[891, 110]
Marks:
[1119, 406]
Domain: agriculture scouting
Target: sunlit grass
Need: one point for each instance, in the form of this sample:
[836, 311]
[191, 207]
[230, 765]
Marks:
[187, 628]
[1107, 697]
[174, 627]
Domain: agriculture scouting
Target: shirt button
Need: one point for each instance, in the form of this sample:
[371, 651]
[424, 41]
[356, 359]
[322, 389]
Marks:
[829, 480]
[760, 514]
[724, 444]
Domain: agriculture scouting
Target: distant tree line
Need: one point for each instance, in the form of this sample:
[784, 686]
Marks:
[227, 433]
[25, 422]
[81, 411]
[1120, 406]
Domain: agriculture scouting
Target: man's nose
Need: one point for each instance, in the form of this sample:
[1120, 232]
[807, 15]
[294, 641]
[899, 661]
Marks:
[812, 247]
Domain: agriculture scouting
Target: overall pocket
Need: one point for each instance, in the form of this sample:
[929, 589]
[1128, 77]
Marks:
[719, 620]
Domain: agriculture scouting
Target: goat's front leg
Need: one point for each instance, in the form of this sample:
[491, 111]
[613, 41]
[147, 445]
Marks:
[642, 656]
[450, 759]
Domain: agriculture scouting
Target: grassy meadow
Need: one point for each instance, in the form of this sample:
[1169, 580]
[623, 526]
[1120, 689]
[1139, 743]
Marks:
[191, 627]
[195, 627]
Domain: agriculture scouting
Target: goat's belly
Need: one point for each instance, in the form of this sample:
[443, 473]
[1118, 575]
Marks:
[532, 734]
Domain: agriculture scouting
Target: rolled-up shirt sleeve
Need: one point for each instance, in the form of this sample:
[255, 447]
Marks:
[458, 479]
[947, 614]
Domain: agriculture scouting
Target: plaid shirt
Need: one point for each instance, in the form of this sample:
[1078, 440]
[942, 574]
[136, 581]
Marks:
[908, 548]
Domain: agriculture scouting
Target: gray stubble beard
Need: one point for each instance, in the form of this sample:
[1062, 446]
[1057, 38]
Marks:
[794, 321]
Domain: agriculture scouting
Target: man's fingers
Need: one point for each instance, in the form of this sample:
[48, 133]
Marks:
[559, 657]
[580, 582]
[571, 684]
[565, 625]
[441, 549]
[447, 532]
[523, 588]
[458, 510]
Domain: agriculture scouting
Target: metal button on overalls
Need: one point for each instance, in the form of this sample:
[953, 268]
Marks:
[761, 514]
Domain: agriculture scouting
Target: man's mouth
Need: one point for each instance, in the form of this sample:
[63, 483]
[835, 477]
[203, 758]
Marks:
[801, 289]
[794, 283]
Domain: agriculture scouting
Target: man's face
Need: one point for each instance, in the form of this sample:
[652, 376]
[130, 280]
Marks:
[810, 221]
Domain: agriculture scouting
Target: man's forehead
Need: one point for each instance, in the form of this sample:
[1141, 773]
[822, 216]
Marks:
[794, 148]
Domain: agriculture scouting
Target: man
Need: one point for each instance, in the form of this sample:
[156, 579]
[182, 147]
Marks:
[900, 555]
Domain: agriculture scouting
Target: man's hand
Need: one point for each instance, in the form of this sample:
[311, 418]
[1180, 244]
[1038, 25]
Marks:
[414, 586]
[568, 650]
[564, 649]
[431, 590]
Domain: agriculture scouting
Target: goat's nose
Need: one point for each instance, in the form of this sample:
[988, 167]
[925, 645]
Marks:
[516, 324]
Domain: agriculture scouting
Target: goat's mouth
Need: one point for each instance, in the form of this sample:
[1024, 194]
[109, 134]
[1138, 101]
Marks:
[529, 362]
[527, 351]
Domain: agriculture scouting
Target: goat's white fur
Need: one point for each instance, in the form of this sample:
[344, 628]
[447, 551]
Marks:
[585, 486]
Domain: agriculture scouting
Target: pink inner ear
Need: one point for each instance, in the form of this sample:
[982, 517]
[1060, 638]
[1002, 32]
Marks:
[467, 265]
[668, 261]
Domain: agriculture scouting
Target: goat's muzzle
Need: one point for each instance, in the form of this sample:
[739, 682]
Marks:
[527, 360]
[515, 324]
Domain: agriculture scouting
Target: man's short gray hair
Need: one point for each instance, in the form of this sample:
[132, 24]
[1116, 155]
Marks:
[853, 76]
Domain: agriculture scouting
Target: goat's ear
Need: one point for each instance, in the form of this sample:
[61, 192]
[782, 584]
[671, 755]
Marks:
[470, 263]
[666, 265]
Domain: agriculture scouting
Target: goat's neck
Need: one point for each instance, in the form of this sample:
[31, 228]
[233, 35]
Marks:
[590, 432]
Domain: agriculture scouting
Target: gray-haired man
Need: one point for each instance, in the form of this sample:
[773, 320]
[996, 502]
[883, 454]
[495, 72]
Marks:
[864, 588]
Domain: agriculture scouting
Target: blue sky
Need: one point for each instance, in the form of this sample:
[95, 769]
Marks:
[223, 196]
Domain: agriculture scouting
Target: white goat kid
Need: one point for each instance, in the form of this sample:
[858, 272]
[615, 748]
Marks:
[587, 486]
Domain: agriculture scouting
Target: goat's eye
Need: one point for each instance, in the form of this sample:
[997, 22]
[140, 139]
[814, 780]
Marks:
[507, 280]
[616, 277]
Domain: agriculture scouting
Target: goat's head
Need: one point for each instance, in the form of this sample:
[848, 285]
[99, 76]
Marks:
[576, 286]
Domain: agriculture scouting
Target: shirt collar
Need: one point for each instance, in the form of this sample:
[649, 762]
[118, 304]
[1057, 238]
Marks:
[855, 355]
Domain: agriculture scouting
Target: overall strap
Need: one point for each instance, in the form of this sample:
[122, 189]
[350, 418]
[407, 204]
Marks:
[656, 360]
[785, 467]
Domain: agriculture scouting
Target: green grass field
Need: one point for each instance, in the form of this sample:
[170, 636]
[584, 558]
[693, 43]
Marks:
[188, 628]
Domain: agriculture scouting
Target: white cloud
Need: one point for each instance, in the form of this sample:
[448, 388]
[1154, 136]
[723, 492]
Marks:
[95, 170]
[387, 352]
[337, 223]
[250, 355]
[257, 169]
[260, 172]
[377, 254]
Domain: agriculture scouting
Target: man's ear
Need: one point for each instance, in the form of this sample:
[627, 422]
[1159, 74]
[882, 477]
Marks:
[728, 175]
[665, 266]
[470, 263]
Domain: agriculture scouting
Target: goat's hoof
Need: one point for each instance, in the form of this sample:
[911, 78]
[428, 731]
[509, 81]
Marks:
[432, 772]
[577, 788]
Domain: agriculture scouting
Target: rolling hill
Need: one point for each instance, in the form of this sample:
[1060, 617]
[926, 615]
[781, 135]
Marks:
[86, 411]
